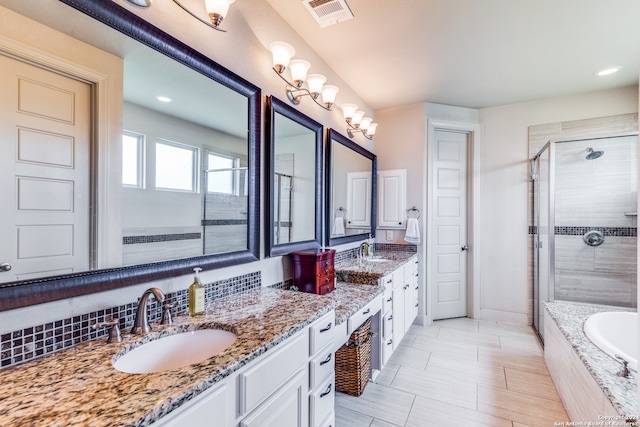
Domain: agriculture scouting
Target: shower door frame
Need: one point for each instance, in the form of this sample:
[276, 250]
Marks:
[551, 146]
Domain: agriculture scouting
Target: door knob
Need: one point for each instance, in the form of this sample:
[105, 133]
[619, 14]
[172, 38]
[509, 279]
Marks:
[464, 248]
[5, 266]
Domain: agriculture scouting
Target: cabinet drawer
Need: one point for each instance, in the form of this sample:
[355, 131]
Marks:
[364, 313]
[387, 282]
[387, 349]
[211, 404]
[321, 367]
[330, 421]
[324, 267]
[387, 300]
[322, 332]
[387, 325]
[258, 382]
[321, 402]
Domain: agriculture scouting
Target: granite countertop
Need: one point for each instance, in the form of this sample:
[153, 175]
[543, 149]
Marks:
[366, 271]
[570, 318]
[79, 386]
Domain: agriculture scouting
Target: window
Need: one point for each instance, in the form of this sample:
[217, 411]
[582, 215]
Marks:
[222, 173]
[132, 159]
[175, 166]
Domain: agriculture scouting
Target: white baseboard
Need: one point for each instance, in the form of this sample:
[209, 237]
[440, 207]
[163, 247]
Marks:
[503, 316]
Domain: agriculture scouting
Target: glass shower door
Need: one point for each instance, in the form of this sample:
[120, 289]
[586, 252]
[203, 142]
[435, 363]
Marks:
[542, 234]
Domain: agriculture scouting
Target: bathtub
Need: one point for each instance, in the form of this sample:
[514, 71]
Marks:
[615, 333]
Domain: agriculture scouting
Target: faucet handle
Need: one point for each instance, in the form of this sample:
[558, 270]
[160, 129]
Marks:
[114, 329]
[167, 318]
[624, 370]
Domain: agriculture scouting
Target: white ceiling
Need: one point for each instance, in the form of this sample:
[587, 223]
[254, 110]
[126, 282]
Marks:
[474, 53]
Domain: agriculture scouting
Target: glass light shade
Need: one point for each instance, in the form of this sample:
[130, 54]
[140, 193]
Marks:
[282, 53]
[315, 83]
[218, 7]
[372, 129]
[357, 118]
[365, 122]
[299, 68]
[329, 93]
[348, 110]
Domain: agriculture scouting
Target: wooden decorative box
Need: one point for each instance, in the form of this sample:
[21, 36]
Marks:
[313, 271]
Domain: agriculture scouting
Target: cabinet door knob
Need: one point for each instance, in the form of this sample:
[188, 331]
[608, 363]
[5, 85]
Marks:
[5, 266]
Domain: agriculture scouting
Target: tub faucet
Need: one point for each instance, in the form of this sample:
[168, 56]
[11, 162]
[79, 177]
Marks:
[141, 323]
[624, 371]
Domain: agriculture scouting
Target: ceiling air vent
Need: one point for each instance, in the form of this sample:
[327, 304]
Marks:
[328, 12]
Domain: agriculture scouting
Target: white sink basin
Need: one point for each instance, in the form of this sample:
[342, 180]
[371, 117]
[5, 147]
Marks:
[175, 351]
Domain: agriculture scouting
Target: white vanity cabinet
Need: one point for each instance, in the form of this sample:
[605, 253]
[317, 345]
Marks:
[399, 306]
[290, 385]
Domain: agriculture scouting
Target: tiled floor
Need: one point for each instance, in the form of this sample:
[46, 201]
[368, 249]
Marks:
[459, 372]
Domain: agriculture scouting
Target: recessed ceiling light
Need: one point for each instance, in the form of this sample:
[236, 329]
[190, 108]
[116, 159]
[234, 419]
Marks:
[163, 98]
[609, 70]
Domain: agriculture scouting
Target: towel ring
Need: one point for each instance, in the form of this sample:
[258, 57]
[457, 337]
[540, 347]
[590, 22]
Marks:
[340, 212]
[413, 211]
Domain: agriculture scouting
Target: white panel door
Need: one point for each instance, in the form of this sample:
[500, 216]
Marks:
[449, 240]
[45, 129]
[359, 200]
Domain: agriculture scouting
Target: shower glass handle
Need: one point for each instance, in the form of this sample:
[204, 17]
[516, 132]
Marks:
[464, 248]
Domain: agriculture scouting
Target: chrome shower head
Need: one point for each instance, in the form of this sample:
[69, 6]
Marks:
[593, 154]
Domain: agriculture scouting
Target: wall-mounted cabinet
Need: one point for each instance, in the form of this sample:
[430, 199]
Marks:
[392, 197]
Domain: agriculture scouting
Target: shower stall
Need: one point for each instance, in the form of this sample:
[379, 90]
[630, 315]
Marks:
[584, 212]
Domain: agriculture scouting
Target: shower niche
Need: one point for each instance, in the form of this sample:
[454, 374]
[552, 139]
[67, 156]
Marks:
[583, 221]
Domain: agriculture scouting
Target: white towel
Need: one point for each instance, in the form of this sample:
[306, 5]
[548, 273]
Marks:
[413, 232]
[338, 227]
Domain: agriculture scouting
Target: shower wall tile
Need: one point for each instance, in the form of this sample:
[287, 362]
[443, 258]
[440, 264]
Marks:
[617, 255]
[596, 288]
[572, 254]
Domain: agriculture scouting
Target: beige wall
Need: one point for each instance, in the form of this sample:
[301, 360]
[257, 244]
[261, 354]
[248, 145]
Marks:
[502, 220]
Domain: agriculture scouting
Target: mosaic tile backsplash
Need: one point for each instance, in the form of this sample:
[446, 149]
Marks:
[29, 343]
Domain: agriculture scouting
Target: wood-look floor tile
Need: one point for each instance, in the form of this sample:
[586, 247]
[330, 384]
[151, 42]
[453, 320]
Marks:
[429, 412]
[521, 342]
[460, 350]
[380, 423]
[457, 335]
[410, 356]
[519, 407]
[517, 359]
[530, 383]
[504, 329]
[438, 387]
[424, 331]
[380, 402]
[461, 323]
[347, 418]
[387, 374]
[467, 370]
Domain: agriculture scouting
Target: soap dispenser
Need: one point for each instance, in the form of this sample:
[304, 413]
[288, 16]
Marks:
[196, 294]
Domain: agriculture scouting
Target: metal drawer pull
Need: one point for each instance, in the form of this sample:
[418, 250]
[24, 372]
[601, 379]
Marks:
[390, 281]
[328, 391]
[327, 360]
[326, 329]
[390, 342]
[367, 311]
[390, 299]
[391, 317]
[416, 304]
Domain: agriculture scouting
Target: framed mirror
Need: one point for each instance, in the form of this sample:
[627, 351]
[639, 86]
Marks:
[160, 222]
[294, 178]
[351, 190]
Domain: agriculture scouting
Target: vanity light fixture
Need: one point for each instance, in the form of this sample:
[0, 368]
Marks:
[357, 122]
[217, 10]
[282, 53]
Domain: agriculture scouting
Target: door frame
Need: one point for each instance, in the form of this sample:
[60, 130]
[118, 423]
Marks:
[474, 137]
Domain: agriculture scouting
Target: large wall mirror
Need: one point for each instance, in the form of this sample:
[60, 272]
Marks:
[295, 179]
[351, 190]
[187, 170]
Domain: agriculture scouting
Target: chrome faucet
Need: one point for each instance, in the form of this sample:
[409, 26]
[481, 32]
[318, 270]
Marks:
[141, 323]
[363, 250]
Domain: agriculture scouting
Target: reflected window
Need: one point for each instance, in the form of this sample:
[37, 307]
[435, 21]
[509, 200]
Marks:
[132, 159]
[223, 174]
[175, 166]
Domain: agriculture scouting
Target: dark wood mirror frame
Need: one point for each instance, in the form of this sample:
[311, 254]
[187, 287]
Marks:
[37, 291]
[275, 106]
[334, 137]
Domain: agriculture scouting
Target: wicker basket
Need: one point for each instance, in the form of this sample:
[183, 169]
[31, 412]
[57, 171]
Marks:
[353, 361]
